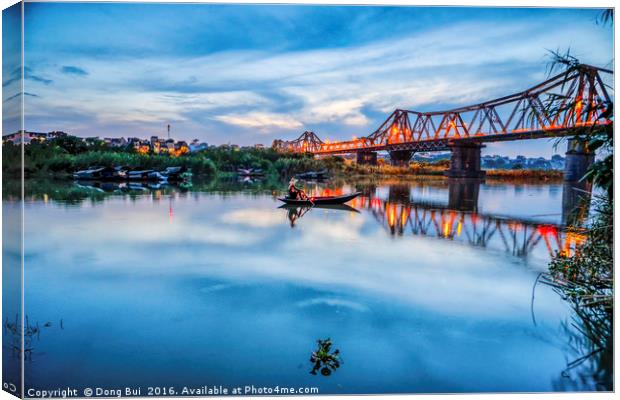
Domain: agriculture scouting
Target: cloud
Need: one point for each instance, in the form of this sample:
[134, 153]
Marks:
[260, 120]
[333, 302]
[71, 70]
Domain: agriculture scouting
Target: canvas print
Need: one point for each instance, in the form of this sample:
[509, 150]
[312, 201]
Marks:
[296, 199]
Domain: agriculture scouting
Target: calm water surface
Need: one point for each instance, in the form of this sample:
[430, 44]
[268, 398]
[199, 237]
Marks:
[423, 287]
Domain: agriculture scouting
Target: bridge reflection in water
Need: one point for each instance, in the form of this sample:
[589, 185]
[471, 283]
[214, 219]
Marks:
[460, 220]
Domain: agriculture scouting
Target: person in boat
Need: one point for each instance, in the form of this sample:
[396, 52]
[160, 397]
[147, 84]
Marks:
[294, 192]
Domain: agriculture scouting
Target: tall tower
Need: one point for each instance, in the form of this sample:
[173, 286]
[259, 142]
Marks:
[168, 131]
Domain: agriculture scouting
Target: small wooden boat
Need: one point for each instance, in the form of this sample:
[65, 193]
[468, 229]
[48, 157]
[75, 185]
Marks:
[339, 207]
[320, 200]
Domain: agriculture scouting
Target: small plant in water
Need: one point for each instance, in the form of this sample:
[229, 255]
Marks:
[14, 332]
[324, 359]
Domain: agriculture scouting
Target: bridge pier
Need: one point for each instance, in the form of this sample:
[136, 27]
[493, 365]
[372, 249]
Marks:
[400, 158]
[465, 161]
[578, 160]
[367, 157]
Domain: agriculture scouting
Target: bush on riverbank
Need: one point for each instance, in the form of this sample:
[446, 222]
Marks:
[51, 159]
[67, 156]
[585, 280]
[414, 168]
[67, 163]
[40, 160]
[350, 168]
[525, 174]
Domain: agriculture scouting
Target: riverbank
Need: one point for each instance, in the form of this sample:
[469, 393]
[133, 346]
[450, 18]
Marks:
[417, 169]
[61, 160]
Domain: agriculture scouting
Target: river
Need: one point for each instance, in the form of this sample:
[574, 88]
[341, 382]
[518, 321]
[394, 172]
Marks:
[423, 286]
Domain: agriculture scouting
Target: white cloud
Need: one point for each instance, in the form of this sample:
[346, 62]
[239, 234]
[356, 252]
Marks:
[260, 120]
[333, 302]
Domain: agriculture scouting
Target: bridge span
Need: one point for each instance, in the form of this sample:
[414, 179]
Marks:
[560, 106]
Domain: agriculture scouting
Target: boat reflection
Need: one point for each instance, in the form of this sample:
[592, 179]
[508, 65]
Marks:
[124, 187]
[296, 212]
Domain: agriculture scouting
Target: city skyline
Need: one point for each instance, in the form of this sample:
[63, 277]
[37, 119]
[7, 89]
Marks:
[272, 72]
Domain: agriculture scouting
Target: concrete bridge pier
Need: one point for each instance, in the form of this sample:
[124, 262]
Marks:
[465, 161]
[578, 160]
[463, 194]
[367, 157]
[400, 158]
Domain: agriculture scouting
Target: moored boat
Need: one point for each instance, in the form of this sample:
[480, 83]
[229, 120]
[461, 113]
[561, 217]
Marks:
[177, 174]
[250, 172]
[313, 175]
[122, 173]
[99, 173]
[145, 175]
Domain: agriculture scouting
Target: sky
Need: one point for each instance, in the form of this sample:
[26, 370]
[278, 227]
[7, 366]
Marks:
[250, 74]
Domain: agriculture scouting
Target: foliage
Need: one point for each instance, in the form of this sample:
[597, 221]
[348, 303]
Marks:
[525, 174]
[65, 155]
[585, 280]
[597, 137]
[606, 17]
[324, 359]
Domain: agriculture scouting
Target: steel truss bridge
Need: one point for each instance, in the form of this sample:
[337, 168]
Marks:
[573, 99]
[519, 237]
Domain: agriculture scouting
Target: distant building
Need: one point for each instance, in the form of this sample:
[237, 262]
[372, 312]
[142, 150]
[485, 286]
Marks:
[142, 146]
[56, 134]
[29, 137]
[195, 145]
[91, 141]
[115, 142]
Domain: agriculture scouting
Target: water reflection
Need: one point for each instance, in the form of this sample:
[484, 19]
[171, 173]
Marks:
[296, 212]
[392, 272]
[458, 220]
[14, 341]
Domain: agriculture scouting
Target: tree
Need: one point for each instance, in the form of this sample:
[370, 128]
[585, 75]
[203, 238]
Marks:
[71, 144]
[598, 137]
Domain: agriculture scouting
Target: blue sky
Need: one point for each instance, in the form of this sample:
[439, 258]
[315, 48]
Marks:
[250, 74]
